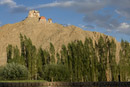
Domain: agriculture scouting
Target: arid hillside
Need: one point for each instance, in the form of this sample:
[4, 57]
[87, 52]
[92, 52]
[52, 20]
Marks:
[42, 34]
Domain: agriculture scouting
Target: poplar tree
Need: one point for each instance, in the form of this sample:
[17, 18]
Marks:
[23, 54]
[64, 55]
[9, 51]
[40, 62]
[16, 55]
[52, 52]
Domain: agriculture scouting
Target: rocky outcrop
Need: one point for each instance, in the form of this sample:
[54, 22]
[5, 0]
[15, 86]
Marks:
[33, 13]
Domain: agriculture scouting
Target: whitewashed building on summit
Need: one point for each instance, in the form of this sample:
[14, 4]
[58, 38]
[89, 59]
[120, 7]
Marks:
[42, 19]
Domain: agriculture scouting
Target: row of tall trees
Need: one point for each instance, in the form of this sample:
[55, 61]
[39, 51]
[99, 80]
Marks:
[28, 56]
[36, 60]
[78, 61]
[125, 61]
[88, 61]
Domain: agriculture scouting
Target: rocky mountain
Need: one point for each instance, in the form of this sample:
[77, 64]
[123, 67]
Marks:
[42, 34]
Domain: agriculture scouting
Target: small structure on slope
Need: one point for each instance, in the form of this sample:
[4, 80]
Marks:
[49, 20]
[33, 13]
[42, 19]
[36, 14]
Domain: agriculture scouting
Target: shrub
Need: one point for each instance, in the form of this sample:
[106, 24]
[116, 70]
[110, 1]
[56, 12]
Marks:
[14, 71]
[57, 72]
[1, 68]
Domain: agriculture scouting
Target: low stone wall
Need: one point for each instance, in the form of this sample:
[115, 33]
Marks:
[65, 84]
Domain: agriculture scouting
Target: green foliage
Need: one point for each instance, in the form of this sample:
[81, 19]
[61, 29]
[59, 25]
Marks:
[1, 69]
[58, 58]
[124, 63]
[9, 51]
[87, 62]
[41, 61]
[52, 52]
[112, 60]
[64, 54]
[56, 72]
[13, 71]
[29, 57]
[16, 55]
[78, 61]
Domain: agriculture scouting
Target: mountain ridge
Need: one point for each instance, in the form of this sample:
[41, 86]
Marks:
[42, 34]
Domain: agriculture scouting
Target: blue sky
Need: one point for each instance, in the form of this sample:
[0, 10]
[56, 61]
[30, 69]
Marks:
[111, 17]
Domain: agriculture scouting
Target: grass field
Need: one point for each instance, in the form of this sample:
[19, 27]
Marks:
[23, 81]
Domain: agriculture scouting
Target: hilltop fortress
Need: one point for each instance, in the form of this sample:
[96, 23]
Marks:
[36, 14]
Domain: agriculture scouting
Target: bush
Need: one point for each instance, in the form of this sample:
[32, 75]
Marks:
[13, 71]
[1, 69]
[57, 72]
